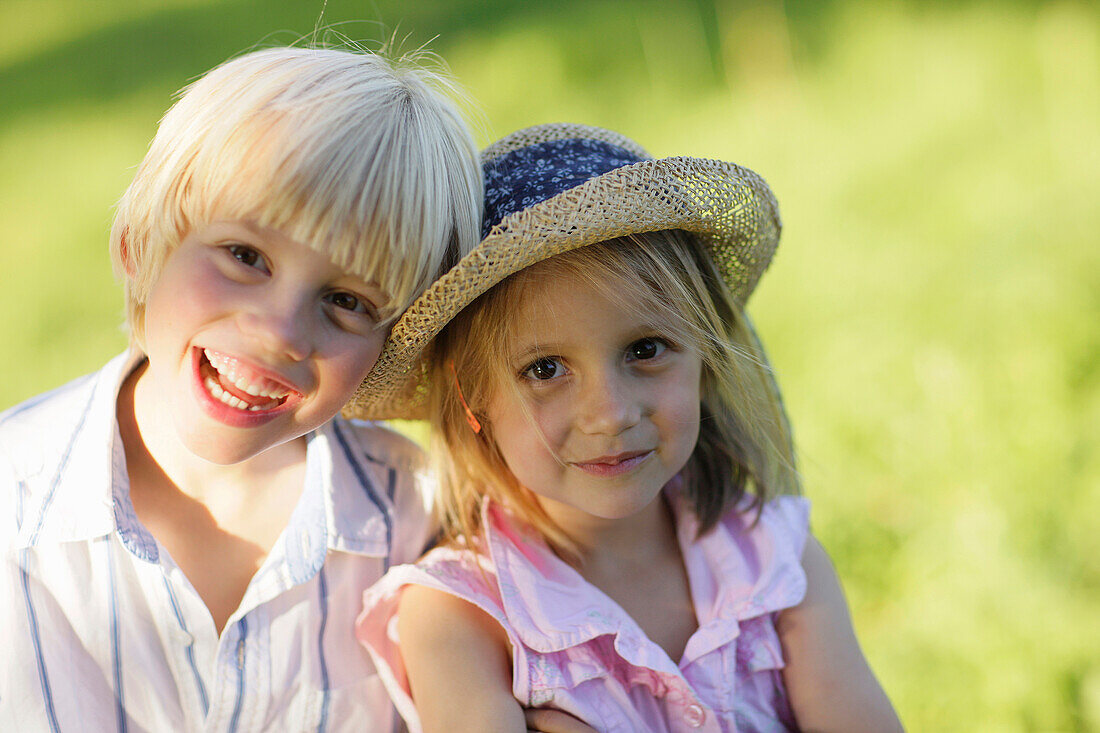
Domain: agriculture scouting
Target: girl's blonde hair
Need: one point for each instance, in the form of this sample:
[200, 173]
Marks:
[744, 448]
[365, 159]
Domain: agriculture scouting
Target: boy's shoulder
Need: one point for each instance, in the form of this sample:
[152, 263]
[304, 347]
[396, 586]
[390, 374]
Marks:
[50, 436]
[379, 443]
[391, 470]
[34, 434]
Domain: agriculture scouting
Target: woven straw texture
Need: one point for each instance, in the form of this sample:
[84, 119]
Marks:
[729, 207]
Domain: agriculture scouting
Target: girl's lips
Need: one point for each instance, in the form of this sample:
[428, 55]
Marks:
[231, 405]
[614, 465]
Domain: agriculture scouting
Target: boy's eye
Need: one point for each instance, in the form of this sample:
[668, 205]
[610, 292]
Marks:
[347, 301]
[543, 369]
[245, 255]
[647, 348]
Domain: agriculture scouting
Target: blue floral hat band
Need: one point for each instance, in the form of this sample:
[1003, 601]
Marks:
[530, 175]
[550, 189]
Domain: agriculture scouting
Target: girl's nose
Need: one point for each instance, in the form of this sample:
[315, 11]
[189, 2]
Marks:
[280, 326]
[608, 404]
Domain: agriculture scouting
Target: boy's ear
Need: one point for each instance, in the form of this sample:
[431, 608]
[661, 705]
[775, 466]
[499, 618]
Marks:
[124, 253]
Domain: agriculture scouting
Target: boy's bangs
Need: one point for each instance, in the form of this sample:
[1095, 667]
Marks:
[316, 190]
[360, 158]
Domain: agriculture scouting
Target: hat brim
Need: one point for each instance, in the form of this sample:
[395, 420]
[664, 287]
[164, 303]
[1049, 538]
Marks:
[730, 208]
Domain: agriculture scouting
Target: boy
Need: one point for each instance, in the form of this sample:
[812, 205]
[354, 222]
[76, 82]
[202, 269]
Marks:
[190, 529]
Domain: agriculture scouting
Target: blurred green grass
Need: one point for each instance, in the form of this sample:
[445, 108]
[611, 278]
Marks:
[934, 310]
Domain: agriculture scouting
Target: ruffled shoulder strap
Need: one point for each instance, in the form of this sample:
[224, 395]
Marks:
[788, 519]
[766, 562]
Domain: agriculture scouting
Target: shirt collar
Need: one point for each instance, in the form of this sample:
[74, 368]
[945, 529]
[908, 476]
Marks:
[88, 495]
[330, 516]
[336, 509]
[550, 605]
[736, 571]
[74, 500]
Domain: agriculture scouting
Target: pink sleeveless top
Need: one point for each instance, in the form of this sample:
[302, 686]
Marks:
[576, 650]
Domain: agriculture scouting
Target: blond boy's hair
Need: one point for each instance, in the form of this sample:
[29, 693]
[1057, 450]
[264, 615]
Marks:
[365, 159]
[744, 454]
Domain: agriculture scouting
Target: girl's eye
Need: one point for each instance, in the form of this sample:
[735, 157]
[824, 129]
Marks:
[245, 255]
[647, 348]
[543, 369]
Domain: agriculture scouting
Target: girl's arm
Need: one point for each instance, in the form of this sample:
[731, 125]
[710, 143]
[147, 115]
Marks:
[830, 685]
[458, 662]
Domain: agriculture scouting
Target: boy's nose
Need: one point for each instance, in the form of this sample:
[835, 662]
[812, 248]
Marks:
[608, 405]
[280, 326]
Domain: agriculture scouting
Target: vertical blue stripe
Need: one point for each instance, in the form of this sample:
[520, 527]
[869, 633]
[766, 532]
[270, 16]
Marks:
[323, 585]
[120, 707]
[368, 487]
[391, 484]
[36, 640]
[21, 489]
[242, 625]
[61, 466]
[190, 647]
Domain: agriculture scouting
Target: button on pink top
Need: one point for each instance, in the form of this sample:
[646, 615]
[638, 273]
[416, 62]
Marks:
[575, 649]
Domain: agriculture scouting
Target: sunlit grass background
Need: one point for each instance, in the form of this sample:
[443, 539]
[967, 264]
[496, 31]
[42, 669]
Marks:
[933, 312]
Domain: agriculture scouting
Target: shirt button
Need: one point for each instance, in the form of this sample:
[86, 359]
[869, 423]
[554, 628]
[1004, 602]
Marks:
[695, 715]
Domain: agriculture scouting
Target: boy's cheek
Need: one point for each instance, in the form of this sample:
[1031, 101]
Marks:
[354, 362]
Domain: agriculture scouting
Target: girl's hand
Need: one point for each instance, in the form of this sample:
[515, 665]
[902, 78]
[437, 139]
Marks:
[553, 721]
[830, 685]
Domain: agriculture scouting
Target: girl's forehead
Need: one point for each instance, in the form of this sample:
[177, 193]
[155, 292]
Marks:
[554, 301]
[542, 294]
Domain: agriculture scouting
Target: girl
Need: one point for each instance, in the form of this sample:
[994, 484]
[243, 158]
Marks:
[623, 539]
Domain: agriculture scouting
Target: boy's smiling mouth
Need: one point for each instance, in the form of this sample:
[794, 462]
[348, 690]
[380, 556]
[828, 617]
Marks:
[238, 385]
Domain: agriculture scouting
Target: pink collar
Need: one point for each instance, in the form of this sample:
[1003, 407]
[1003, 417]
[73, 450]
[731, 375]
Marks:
[737, 571]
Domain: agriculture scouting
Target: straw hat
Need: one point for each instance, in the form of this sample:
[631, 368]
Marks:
[553, 188]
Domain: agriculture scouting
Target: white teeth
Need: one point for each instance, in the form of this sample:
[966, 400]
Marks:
[256, 390]
[221, 395]
[227, 367]
[220, 362]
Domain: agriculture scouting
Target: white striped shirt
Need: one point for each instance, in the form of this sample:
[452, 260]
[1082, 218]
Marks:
[101, 631]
